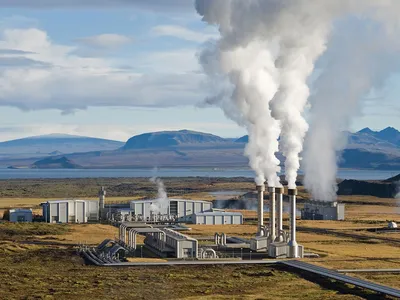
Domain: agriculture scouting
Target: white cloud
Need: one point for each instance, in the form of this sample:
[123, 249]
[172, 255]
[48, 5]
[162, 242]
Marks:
[37, 73]
[183, 33]
[107, 40]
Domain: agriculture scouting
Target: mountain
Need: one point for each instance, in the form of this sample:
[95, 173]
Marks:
[389, 134]
[186, 148]
[55, 163]
[165, 139]
[367, 130]
[243, 139]
[44, 145]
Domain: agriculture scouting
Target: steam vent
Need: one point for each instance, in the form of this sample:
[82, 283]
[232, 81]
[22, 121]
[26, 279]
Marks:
[272, 238]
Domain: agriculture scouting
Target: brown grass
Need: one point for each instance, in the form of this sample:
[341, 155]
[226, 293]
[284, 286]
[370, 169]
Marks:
[92, 234]
[139, 259]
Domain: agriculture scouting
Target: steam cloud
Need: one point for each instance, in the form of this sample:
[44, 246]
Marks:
[260, 66]
[162, 201]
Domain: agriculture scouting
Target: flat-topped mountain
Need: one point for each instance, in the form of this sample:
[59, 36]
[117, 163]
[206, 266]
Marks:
[57, 143]
[166, 139]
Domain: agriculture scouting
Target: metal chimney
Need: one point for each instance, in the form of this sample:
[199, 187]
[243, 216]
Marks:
[293, 246]
[279, 223]
[260, 205]
[102, 197]
[272, 209]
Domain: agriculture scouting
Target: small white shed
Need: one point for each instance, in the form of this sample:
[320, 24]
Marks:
[20, 215]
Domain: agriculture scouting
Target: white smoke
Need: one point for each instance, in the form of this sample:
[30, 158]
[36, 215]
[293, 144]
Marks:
[267, 51]
[358, 62]
[249, 85]
[301, 43]
[161, 202]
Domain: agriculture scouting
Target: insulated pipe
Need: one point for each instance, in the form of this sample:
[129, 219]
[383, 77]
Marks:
[293, 247]
[121, 232]
[272, 208]
[260, 205]
[216, 238]
[279, 223]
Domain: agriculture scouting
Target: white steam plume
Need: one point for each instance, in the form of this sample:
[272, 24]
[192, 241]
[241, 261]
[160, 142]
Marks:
[358, 61]
[247, 89]
[268, 49]
[302, 41]
[254, 35]
[162, 201]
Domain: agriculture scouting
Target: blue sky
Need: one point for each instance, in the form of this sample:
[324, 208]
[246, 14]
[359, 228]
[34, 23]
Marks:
[116, 71]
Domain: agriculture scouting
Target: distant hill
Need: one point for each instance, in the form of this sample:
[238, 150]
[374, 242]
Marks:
[166, 139]
[395, 179]
[243, 139]
[379, 189]
[56, 144]
[389, 134]
[185, 148]
[55, 163]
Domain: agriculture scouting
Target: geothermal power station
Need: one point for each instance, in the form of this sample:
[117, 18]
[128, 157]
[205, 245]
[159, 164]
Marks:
[162, 222]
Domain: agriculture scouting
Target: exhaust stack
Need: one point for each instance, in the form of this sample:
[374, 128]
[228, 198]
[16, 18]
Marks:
[293, 246]
[279, 223]
[102, 197]
[272, 209]
[260, 205]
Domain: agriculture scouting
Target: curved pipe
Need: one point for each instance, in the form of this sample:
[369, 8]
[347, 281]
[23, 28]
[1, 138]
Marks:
[208, 251]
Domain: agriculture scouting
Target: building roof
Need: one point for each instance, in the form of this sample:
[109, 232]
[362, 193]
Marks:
[170, 199]
[68, 200]
[21, 210]
[218, 213]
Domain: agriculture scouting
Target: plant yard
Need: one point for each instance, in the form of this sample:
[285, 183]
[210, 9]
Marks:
[40, 261]
[56, 272]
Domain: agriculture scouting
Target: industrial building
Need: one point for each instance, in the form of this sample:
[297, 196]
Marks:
[180, 208]
[323, 210]
[70, 211]
[20, 215]
[174, 210]
[172, 244]
[164, 242]
[217, 218]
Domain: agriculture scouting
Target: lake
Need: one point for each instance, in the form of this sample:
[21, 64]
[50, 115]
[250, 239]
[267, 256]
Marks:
[170, 172]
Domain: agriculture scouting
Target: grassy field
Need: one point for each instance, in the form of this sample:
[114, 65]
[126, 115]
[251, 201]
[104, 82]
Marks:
[35, 271]
[38, 261]
[116, 187]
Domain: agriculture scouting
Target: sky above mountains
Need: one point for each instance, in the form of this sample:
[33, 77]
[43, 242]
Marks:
[113, 69]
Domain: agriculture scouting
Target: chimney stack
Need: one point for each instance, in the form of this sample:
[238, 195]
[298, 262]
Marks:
[260, 205]
[293, 246]
[102, 197]
[279, 198]
[272, 209]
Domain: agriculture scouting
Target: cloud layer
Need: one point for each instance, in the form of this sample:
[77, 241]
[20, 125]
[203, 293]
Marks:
[183, 33]
[107, 40]
[36, 73]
